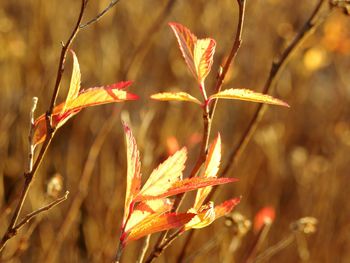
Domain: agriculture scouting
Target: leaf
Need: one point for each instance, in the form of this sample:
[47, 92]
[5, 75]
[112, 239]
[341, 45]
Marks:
[226, 207]
[198, 53]
[211, 169]
[144, 209]
[156, 223]
[74, 86]
[186, 42]
[205, 215]
[133, 181]
[178, 96]
[247, 95]
[86, 98]
[183, 186]
[167, 173]
[204, 50]
[101, 95]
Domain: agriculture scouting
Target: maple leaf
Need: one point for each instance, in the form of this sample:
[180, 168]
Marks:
[198, 53]
[76, 101]
[247, 95]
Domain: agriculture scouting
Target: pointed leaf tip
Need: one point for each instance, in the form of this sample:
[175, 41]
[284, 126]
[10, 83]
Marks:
[248, 95]
[198, 53]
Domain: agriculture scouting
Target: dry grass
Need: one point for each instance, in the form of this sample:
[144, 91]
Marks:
[298, 160]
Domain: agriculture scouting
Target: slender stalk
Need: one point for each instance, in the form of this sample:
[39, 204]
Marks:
[100, 15]
[144, 248]
[11, 231]
[31, 215]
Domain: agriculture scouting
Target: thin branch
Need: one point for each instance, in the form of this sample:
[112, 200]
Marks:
[30, 216]
[50, 132]
[100, 15]
[144, 248]
[160, 249]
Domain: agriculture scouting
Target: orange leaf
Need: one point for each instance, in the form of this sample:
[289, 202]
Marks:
[86, 98]
[204, 50]
[101, 95]
[226, 207]
[133, 181]
[186, 42]
[198, 53]
[247, 95]
[182, 186]
[145, 209]
[210, 171]
[156, 223]
[178, 96]
[74, 86]
[167, 173]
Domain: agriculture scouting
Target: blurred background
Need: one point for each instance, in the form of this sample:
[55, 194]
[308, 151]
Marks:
[297, 162]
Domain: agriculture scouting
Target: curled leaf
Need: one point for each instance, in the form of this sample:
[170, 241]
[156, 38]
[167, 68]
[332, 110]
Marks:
[205, 215]
[177, 96]
[247, 95]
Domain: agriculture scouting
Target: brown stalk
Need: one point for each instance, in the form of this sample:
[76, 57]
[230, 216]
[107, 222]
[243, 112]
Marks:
[308, 28]
[208, 114]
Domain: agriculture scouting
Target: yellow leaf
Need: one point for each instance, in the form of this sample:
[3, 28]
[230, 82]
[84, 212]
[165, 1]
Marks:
[74, 86]
[178, 96]
[133, 180]
[167, 173]
[144, 209]
[204, 50]
[247, 95]
[211, 169]
[198, 53]
[186, 42]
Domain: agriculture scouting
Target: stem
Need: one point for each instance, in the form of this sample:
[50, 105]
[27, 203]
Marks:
[11, 231]
[100, 15]
[144, 248]
[159, 249]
